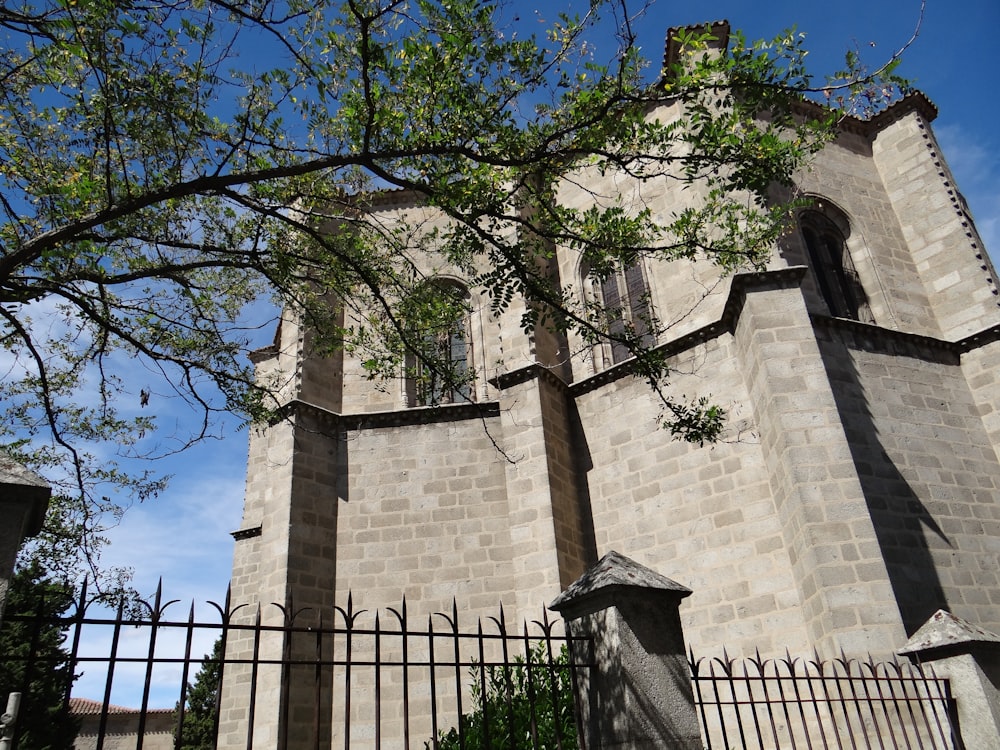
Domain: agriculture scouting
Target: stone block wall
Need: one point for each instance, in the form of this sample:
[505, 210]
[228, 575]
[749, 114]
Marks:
[956, 273]
[929, 472]
[701, 515]
[854, 490]
[426, 516]
[845, 175]
[981, 367]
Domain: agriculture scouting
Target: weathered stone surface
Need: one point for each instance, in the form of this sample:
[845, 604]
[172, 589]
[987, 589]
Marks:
[855, 491]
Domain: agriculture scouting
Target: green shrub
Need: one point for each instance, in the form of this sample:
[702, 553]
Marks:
[524, 706]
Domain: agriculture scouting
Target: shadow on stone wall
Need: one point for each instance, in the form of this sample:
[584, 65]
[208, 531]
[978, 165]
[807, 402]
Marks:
[901, 519]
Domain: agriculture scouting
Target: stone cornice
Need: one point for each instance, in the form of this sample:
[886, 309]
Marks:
[905, 343]
[784, 278]
[397, 418]
[533, 371]
[915, 101]
[240, 534]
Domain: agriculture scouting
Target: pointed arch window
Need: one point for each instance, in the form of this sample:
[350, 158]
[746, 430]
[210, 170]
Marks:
[833, 268]
[439, 371]
[624, 298]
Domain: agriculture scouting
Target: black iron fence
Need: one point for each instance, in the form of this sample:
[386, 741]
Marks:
[838, 703]
[284, 677]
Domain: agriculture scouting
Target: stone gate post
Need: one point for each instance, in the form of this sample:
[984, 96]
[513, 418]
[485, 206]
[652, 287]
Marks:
[24, 498]
[638, 696]
[970, 658]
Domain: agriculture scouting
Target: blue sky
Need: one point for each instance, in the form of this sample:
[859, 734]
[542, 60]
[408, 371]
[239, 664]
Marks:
[183, 535]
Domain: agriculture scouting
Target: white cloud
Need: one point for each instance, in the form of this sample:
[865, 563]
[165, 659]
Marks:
[183, 538]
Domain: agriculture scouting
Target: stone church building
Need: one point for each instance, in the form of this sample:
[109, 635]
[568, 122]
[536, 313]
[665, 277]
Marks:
[855, 491]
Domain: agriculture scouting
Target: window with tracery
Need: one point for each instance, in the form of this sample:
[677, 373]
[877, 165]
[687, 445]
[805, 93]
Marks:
[438, 368]
[624, 298]
[833, 268]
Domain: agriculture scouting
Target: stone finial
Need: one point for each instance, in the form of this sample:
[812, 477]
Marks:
[946, 631]
[23, 487]
[612, 573]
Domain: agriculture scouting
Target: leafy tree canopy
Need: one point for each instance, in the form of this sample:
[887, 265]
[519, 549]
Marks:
[165, 164]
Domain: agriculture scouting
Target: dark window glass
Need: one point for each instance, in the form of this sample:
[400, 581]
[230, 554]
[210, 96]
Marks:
[625, 299]
[439, 373]
[833, 268]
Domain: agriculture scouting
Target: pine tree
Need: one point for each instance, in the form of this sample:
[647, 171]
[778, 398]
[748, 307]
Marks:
[198, 732]
[33, 661]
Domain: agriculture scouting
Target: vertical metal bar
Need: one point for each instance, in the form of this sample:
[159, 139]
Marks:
[859, 705]
[944, 699]
[254, 671]
[285, 670]
[112, 658]
[695, 668]
[348, 658]
[225, 620]
[378, 684]
[404, 630]
[762, 669]
[318, 684]
[951, 710]
[74, 651]
[433, 681]
[458, 672]
[791, 665]
[892, 701]
[727, 666]
[185, 669]
[532, 694]
[872, 703]
[815, 702]
[845, 667]
[508, 680]
[924, 689]
[553, 682]
[907, 685]
[483, 687]
[784, 703]
[751, 700]
[154, 624]
[550, 672]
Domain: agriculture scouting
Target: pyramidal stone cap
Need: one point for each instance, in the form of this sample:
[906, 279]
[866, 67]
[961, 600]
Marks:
[21, 486]
[946, 631]
[612, 574]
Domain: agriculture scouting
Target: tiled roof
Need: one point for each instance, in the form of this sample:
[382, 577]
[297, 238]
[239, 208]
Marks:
[87, 707]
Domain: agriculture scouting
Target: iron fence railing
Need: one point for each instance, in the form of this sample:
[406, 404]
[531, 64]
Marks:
[286, 677]
[839, 703]
[291, 678]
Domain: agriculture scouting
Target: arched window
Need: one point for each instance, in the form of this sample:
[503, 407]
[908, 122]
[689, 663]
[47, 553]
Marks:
[438, 365]
[833, 267]
[624, 298]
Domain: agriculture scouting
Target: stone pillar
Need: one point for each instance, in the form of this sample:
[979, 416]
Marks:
[638, 696]
[550, 546]
[970, 658]
[24, 498]
[847, 599]
[946, 248]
